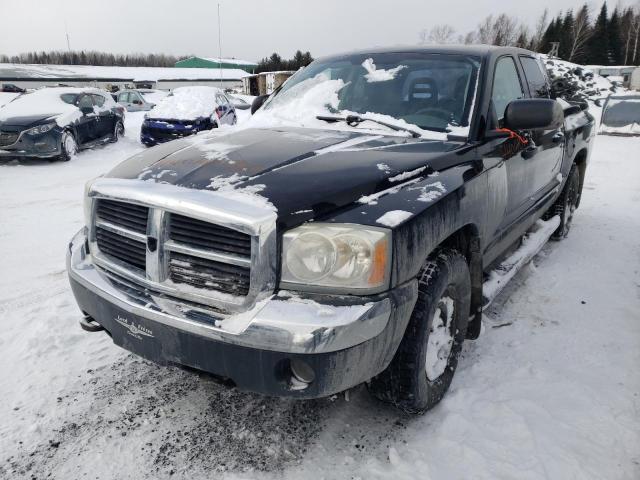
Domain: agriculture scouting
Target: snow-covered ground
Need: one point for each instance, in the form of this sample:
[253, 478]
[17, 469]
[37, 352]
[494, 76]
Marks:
[551, 389]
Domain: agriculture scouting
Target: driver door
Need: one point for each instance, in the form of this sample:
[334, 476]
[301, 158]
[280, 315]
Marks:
[87, 125]
[507, 86]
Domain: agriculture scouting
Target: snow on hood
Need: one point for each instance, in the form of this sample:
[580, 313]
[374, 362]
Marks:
[187, 103]
[44, 103]
[299, 106]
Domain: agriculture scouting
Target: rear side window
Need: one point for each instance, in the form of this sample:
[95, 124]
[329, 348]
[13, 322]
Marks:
[98, 100]
[535, 77]
[506, 85]
[123, 97]
[69, 98]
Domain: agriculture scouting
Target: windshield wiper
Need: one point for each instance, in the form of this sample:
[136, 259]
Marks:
[355, 120]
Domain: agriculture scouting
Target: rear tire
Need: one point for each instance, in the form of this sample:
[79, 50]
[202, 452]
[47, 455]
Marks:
[566, 204]
[68, 147]
[421, 371]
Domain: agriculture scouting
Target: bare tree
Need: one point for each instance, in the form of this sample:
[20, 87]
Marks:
[541, 26]
[438, 34]
[580, 34]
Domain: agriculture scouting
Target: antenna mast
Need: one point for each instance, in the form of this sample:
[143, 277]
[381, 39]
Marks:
[219, 45]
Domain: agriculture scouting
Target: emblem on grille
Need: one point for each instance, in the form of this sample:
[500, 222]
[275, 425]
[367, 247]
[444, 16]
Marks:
[136, 331]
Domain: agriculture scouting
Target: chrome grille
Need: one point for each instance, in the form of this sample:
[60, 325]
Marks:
[198, 246]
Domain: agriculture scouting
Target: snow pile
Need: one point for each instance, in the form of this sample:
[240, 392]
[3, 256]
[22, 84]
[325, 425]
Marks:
[394, 218]
[187, 103]
[379, 75]
[575, 82]
[153, 96]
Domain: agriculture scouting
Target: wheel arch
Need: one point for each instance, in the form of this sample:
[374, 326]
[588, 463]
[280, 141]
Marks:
[581, 162]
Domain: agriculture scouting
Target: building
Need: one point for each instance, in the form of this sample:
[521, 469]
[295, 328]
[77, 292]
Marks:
[205, 62]
[264, 83]
[36, 76]
[620, 73]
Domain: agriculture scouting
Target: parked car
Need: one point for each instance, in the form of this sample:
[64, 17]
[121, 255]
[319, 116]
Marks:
[187, 111]
[621, 115]
[348, 241]
[11, 88]
[56, 122]
[140, 99]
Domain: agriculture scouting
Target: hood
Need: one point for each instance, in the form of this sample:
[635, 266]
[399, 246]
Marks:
[296, 169]
[28, 121]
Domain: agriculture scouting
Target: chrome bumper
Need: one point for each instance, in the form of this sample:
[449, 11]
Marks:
[282, 322]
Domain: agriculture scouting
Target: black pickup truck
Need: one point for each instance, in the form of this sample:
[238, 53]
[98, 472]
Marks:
[344, 233]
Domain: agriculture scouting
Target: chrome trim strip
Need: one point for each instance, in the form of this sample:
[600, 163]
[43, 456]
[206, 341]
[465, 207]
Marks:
[281, 323]
[209, 255]
[112, 227]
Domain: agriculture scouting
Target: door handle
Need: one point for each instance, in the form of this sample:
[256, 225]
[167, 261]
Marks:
[558, 137]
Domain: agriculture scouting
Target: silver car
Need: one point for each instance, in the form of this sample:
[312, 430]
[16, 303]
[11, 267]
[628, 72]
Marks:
[140, 100]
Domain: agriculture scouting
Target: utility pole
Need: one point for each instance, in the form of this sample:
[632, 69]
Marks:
[66, 32]
[219, 45]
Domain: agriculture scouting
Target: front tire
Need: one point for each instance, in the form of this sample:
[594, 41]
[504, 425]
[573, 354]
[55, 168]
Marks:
[68, 147]
[421, 371]
[118, 132]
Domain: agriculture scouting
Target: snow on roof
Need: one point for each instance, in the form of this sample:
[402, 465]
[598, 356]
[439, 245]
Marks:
[33, 71]
[187, 103]
[47, 102]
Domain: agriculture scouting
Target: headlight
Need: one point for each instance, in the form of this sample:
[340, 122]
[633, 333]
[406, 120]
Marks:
[40, 129]
[337, 257]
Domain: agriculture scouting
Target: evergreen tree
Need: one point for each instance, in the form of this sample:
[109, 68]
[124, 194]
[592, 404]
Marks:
[615, 39]
[598, 46]
[565, 35]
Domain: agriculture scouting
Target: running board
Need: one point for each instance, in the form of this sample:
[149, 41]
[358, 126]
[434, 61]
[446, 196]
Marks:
[532, 243]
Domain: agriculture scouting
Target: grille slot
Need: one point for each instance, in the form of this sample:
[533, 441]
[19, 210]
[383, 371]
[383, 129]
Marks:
[8, 138]
[122, 248]
[127, 215]
[203, 235]
[208, 274]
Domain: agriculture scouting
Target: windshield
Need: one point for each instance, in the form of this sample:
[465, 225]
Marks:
[431, 91]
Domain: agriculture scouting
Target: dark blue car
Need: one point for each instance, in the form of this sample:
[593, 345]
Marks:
[55, 123]
[187, 111]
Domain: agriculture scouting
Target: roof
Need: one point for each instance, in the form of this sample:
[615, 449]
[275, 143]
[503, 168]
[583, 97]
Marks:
[228, 60]
[475, 50]
[17, 71]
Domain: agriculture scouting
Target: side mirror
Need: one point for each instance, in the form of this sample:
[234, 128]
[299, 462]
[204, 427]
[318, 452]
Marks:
[137, 102]
[258, 102]
[535, 113]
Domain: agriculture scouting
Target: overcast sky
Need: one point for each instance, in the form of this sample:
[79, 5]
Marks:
[250, 29]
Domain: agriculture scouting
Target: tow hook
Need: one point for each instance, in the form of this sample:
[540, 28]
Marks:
[88, 324]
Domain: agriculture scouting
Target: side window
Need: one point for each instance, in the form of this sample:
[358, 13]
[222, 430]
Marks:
[98, 100]
[535, 77]
[123, 97]
[506, 85]
[85, 101]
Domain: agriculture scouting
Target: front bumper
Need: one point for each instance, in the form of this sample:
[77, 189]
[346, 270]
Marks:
[45, 145]
[344, 340]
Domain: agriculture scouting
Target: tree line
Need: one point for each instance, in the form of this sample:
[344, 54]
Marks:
[275, 62]
[95, 58]
[608, 38]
